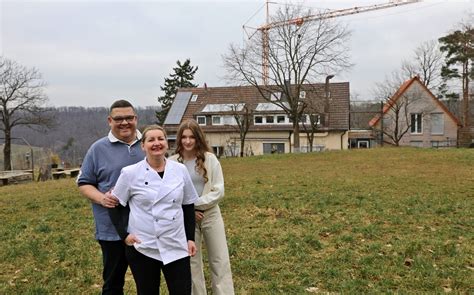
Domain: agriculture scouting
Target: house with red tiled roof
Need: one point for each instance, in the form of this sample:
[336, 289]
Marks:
[270, 128]
[413, 116]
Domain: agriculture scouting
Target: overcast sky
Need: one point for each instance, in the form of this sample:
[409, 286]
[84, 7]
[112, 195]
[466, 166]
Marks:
[93, 52]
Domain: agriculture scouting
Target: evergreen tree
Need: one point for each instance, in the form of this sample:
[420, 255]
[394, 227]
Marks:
[459, 49]
[181, 78]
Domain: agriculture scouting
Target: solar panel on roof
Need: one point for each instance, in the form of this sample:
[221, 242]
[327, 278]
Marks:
[177, 108]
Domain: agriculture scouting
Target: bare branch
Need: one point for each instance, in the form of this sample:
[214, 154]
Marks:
[426, 63]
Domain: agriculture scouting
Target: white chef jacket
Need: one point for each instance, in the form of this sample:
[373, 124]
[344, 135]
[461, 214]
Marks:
[156, 215]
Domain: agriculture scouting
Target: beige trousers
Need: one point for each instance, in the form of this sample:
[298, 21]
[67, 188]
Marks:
[211, 230]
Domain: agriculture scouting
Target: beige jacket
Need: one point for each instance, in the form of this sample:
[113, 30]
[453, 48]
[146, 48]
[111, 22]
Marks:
[213, 190]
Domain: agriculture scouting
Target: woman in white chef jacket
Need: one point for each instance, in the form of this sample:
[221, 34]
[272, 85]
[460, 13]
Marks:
[161, 225]
[206, 173]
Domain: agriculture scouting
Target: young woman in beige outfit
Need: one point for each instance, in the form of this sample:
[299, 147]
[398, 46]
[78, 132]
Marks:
[206, 173]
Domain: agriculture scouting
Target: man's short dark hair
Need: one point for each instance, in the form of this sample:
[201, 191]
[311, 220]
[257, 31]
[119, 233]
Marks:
[121, 103]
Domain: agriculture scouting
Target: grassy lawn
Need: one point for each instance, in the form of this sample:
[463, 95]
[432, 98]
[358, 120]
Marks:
[361, 221]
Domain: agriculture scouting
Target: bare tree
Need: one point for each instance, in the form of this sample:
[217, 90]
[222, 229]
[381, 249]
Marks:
[426, 63]
[297, 54]
[313, 118]
[243, 115]
[396, 121]
[21, 98]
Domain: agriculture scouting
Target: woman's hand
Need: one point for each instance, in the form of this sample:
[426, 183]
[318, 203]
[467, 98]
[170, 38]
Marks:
[132, 239]
[192, 248]
[199, 215]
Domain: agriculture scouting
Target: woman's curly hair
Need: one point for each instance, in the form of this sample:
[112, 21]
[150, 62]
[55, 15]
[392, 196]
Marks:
[201, 146]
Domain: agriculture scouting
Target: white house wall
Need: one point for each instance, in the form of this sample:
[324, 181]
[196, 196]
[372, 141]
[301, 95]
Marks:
[255, 141]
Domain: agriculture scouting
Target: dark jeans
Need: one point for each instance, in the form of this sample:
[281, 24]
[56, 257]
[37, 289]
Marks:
[146, 272]
[115, 267]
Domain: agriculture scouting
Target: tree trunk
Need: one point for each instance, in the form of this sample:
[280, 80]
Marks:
[296, 137]
[465, 95]
[242, 144]
[7, 163]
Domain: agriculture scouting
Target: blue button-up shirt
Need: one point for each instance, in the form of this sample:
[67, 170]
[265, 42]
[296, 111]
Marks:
[101, 168]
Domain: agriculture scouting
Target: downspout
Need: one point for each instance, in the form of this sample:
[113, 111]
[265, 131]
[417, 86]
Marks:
[342, 135]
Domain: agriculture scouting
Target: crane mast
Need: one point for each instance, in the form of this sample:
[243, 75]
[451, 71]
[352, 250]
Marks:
[324, 15]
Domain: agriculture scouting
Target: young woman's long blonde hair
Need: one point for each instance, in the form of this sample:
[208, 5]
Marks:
[200, 148]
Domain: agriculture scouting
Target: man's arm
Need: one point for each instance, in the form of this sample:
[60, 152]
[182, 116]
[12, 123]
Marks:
[94, 195]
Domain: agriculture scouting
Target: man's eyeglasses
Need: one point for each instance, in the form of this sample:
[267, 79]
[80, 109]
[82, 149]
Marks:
[129, 119]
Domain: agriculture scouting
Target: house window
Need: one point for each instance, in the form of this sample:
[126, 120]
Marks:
[317, 120]
[416, 123]
[201, 120]
[269, 119]
[363, 144]
[302, 94]
[437, 123]
[280, 119]
[314, 119]
[218, 150]
[275, 96]
[273, 148]
[258, 120]
[194, 97]
[217, 120]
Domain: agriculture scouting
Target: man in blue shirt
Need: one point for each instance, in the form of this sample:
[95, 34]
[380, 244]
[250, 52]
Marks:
[99, 172]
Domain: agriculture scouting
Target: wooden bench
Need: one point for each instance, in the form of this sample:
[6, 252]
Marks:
[16, 176]
[59, 173]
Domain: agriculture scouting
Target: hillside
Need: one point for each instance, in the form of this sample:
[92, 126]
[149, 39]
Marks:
[75, 130]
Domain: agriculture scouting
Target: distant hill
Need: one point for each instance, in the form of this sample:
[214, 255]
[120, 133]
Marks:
[76, 129]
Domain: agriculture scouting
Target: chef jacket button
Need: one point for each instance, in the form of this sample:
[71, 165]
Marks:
[156, 220]
[174, 218]
[174, 201]
[147, 169]
[146, 182]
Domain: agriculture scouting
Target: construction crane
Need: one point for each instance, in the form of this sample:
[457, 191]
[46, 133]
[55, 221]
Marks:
[324, 15]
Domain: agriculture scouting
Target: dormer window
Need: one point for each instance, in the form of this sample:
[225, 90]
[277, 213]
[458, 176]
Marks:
[194, 97]
[201, 120]
[217, 120]
[281, 119]
[302, 94]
